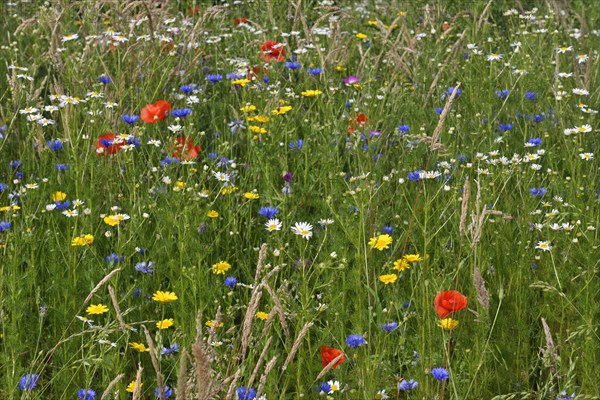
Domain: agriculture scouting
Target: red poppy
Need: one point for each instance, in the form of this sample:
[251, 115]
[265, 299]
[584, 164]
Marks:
[106, 145]
[272, 51]
[328, 354]
[156, 112]
[361, 119]
[449, 302]
[189, 153]
[238, 21]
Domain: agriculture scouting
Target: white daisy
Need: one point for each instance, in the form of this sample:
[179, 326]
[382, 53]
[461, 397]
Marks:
[303, 229]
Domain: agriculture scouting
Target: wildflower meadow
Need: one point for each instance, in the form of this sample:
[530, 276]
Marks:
[303, 199]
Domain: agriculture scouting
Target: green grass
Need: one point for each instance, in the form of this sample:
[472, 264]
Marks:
[530, 328]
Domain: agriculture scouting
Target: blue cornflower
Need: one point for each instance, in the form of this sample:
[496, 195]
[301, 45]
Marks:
[245, 394]
[404, 128]
[564, 396]
[439, 110]
[62, 205]
[235, 125]
[355, 340]
[181, 113]
[388, 229]
[86, 394]
[15, 164]
[174, 348]
[266, 79]
[4, 226]
[186, 88]
[28, 382]
[230, 281]
[145, 268]
[315, 71]
[3, 187]
[214, 78]
[165, 162]
[104, 79]
[505, 127]
[539, 118]
[292, 64]
[325, 388]
[62, 167]
[414, 176]
[534, 142]
[448, 92]
[130, 119]
[3, 129]
[389, 327]
[55, 145]
[502, 94]
[212, 156]
[114, 259]
[538, 192]
[298, 144]
[167, 391]
[531, 95]
[408, 385]
[268, 212]
[440, 374]
[137, 292]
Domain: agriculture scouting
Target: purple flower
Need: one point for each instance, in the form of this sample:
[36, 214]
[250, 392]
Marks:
[502, 94]
[214, 78]
[244, 393]
[505, 127]
[230, 281]
[28, 382]
[187, 88]
[414, 176]
[314, 71]
[389, 327]
[268, 212]
[174, 348]
[145, 268]
[351, 80]
[181, 113]
[534, 142]
[408, 385]
[288, 177]
[531, 95]
[86, 394]
[130, 119]
[403, 128]
[104, 79]
[167, 391]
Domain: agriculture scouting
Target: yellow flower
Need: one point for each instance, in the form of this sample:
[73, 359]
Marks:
[113, 220]
[180, 184]
[59, 196]
[262, 315]
[411, 258]
[381, 242]
[212, 214]
[387, 279]
[311, 93]
[262, 119]
[371, 22]
[83, 240]
[448, 324]
[228, 190]
[281, 110]
[164, 297]
[402, 14]
[257, 129]
[165, 323]
[361, 36]
[340, 68]
[401, 265]
[97, 309]
[210, 324]
[251, 195]
[131, 386]
[221, 267]
[139, 347]
[12, 208]
[248, 108]
[241, 82]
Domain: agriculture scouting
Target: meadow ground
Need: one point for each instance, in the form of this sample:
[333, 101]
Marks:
[304, 199]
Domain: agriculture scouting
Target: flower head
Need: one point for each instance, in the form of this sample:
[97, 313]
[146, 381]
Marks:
[131, 387]
[244, 393]
[167, 392]
[355, 340]
[405, 385]
[388, 278]
[158, 111]
[97, 309]
[328, 354]
[141, 347]
[221, 267]
[86, 394]
[440, 374]
[448, 324]
[303, 229]
[381, 242]
[449, 302]
[165, 323]
[164, 297]
[28, 382]
[272, 51]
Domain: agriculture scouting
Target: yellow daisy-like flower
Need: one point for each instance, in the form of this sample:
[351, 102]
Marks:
[164, 297]
[116, 219]
[221, 267]
[96, 309]
[448, 324]
[12, 208]
[139, 347]
[210, 324]
[389, 278]
[281, 110]
[212, 214]
[411, 258]
[372, 22]
[248, 108]
[262, 315]
[261, 119]
[241, 82]
[59, 196]
[180, 185]
[340, 68]
[381, 242]
[257, 129]
[228, 190]
[165, 323]
[401, 265]
[251, 195]
[131, 387]
[311, 93]
[83, 240]
[361, 35]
